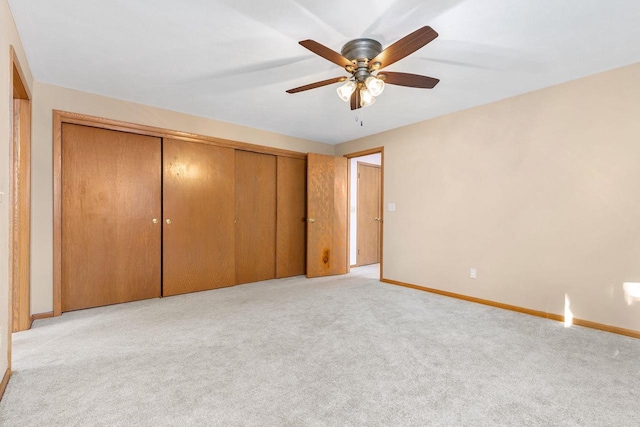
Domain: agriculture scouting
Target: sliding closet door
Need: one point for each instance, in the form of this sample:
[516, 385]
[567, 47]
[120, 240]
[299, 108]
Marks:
[111, 183]
[255, 217]
[198, 249]
[291, 217]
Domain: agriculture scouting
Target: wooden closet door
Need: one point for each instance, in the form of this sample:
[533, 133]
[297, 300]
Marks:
[198, 194]
[255, 217]
[368, 230]
[111, 183]
[291, 217]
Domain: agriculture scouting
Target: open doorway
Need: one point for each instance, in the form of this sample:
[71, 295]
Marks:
[365, 209]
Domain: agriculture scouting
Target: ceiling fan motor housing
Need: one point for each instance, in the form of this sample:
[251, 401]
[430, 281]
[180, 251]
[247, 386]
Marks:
[361, 51]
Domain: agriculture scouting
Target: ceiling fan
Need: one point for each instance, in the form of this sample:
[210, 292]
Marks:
[363, 59]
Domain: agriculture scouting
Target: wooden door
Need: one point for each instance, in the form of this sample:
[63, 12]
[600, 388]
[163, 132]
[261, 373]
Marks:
[291, 217]
[255, 231]
[198, 209]
[111, 183]
[327, 210]
[368, 228]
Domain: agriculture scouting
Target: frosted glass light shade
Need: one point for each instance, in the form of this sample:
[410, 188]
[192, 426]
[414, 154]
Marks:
[375, 85]
[366, 99]
[345, 91]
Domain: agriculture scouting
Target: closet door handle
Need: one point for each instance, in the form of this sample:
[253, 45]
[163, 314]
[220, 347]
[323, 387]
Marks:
[168, 221]
[154, 220]
[311, 220]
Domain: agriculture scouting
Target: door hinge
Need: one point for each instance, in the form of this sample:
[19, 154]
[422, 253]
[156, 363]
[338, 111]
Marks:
[358, 175]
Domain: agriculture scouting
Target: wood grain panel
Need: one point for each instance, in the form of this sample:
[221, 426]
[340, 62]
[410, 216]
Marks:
[198, 193]
[368, 230]
[291, 217]
[327, 212]
[21, 215]
[255, 217]
[111, 184]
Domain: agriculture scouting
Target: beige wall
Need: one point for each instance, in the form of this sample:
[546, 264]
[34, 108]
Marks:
[47, 98]
[8, 36]
[540, 193]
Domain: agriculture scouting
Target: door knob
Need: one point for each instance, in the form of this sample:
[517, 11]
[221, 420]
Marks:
[312, 220]
[168, 221]
[155, 220]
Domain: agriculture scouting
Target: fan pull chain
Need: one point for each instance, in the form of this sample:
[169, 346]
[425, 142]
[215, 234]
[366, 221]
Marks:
[360, 119]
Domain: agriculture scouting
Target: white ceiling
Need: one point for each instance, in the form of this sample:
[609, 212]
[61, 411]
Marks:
[232, 60]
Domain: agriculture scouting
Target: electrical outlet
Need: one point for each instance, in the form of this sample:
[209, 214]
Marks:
[473, 273]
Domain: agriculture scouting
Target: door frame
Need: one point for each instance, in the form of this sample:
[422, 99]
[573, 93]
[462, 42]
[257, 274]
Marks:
[20, 201]
[349, 156]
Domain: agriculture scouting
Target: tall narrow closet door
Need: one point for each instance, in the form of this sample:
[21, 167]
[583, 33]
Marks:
[111, 183]
[255, 217]
[291, 217]
[198, 192]
[368, 230]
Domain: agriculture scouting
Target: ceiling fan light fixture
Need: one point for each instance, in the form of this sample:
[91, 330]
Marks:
[363, 59]
[345, 91]
[375, 85]
[366, 98]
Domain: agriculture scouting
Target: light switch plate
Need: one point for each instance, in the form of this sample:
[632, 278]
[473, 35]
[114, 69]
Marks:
[391, 207]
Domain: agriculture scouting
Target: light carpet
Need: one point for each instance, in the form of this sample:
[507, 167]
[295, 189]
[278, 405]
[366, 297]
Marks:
[338, 351]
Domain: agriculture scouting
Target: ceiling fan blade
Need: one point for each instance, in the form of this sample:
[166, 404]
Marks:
[405, 46]
[355, 100]
[409, 80]
[317, 84]
[326, 53]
